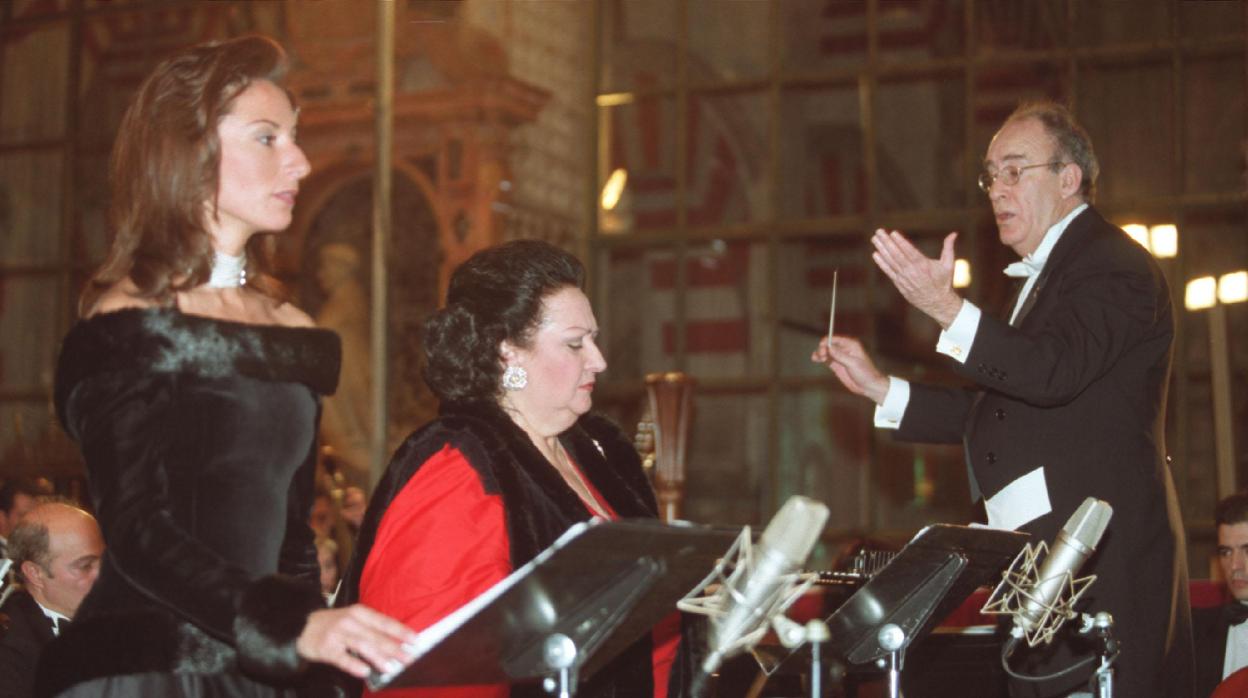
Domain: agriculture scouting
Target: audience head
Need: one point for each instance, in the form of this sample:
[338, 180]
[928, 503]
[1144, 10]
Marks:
[1231, 519]
[354, 504]
[323, 515]
[17, 497]
[166, 169]
[56, 550]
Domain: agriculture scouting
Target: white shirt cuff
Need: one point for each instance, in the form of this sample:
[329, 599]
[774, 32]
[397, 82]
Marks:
[888, 414]
[957, 340]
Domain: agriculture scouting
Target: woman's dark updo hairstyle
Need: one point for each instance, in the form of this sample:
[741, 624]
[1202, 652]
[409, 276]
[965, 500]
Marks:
[496, 295]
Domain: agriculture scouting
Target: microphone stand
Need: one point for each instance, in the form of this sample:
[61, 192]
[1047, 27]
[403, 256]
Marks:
[560, 656]
[1102, 628]
[893, 639]
[815, 633]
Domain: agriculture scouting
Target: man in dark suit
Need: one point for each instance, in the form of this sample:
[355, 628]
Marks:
[16, 498]
[57, 550]
[1219, 633]
[1068, 394]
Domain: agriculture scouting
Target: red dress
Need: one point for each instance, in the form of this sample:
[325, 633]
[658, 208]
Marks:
[463, 550]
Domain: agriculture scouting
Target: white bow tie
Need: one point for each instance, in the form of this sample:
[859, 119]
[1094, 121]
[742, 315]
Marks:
[1024, 268]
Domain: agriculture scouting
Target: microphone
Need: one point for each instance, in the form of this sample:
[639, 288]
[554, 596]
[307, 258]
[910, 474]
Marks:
[1041, 600]
[765, 581]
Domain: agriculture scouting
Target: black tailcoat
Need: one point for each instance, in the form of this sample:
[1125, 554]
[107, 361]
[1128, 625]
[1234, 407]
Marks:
[21, 642]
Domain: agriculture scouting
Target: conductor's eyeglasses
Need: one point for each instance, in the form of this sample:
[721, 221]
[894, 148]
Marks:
[1009, 174]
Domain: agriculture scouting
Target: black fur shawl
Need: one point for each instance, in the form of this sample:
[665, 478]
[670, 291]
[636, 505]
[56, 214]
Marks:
[539, 506]
[130, 390]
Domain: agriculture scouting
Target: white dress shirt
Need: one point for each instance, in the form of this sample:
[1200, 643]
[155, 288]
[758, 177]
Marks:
[1236, 649]
[53, 616]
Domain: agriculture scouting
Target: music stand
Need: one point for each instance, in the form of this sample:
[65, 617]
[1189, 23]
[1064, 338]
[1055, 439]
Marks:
[934, 573]
[601, 586]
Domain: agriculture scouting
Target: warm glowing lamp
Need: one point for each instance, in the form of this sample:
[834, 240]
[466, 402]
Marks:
[1201, 293]
[961, 273]
[614, 188]
[1233, 287]
[1138, 232]
[1163, 240]
[1208, 293]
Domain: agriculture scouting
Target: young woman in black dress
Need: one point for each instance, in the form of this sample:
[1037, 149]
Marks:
[194, 393]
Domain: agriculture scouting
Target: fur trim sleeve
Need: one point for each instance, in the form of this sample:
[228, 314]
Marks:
[272, 613]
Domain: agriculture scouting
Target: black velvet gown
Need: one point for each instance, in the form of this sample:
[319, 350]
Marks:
[199, 438]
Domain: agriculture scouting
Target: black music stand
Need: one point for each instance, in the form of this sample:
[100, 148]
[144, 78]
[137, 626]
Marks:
[927, 580]
[570, 610]
[934, 573]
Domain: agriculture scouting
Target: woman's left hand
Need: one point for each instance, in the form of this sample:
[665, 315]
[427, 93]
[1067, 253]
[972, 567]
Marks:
[355, 639]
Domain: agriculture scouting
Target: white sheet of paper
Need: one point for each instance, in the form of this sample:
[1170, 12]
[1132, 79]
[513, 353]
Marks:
[1020, 502]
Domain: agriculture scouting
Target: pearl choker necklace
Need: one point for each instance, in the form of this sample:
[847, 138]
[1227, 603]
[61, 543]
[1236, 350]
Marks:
[227, 271]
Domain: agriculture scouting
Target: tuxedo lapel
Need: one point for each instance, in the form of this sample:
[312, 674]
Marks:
[49, 625]
[1030, 301]
[1008, 311]
[40, 624]
[27, 619]
[1071, 240]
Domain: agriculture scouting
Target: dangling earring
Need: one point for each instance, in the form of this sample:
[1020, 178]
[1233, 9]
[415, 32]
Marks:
[515, 378]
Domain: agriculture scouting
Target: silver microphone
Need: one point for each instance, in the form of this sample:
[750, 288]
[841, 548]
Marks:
[1041, 599]
[781, 552]
[1074, 545]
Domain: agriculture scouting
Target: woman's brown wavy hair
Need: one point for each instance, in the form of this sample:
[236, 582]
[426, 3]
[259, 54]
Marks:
[166, 165]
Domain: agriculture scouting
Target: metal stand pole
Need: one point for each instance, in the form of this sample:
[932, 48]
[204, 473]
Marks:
[560, 655]
[1104, 680]
[893, 638]
[817, 633]
[1107, 648]
[793, 636]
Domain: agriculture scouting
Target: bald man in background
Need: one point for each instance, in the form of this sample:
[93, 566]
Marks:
[56, 550]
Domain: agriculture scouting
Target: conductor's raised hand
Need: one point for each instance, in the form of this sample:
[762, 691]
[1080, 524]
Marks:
[354, 638]
[851, 364]
[925, 283]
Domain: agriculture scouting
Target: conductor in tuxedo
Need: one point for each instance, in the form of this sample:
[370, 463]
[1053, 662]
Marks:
[1066, 395]
[56, 550]
[1219, 633]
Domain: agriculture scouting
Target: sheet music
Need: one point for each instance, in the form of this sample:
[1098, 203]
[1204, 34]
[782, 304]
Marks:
[601, 584]
[431, 636]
